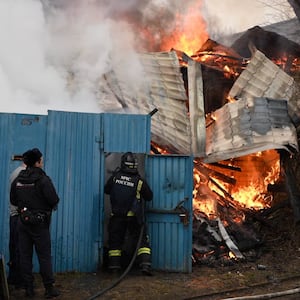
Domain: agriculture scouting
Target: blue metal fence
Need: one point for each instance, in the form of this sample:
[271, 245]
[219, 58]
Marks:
[74, 146]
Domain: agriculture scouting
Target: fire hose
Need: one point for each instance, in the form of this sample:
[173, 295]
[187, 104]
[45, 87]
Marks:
[252, 287]
[118, 280]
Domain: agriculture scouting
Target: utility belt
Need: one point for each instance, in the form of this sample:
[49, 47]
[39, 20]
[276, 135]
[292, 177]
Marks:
[34, 217]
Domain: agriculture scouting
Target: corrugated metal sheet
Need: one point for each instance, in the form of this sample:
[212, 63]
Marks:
[73, 148]
[183, 128]
[127, 133]
[249, 126]
[74, 163]
[163, 88]
[18, 132]
[5, 147]
[171, 124]
[260, 118]
[171, 179]
[263, 78]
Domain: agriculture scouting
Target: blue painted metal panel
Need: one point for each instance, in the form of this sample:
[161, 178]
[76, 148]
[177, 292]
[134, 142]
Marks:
[6, 121]
[73, 145]
[74, 163]
[171, 179]
[18, 132]
[127, 133]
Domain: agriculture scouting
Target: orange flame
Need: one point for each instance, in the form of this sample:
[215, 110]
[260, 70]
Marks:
[247, 194]
[190, 32]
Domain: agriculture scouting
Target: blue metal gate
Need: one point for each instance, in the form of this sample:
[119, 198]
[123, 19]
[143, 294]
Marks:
[170, 213]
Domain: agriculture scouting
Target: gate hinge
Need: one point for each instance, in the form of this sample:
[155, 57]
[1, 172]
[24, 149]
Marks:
[99, 140]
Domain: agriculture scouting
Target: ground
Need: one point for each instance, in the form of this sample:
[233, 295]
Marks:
[277, 269]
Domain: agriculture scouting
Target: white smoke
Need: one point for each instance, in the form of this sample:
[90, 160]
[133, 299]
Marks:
[53, 56]
[27, 78]
[54, 53]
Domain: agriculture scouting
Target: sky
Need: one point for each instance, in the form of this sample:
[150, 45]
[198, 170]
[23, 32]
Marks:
[56, 51]
[231, 16]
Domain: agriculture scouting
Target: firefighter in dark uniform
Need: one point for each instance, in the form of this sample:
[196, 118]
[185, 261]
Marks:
[127, 190]
[35, 196]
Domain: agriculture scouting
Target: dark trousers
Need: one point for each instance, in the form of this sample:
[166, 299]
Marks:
[37, 236]
[14, 274]
[117, 229]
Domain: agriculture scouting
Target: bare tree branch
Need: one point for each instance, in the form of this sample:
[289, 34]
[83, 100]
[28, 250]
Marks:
[280, 9]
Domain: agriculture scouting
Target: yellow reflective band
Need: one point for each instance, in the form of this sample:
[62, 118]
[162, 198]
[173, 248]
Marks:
[114, 253]
[139, 187]
[130, 214]
[144, 251]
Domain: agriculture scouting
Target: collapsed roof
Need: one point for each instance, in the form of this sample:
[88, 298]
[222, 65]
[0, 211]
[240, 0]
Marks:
[288, 29]
[264, 114]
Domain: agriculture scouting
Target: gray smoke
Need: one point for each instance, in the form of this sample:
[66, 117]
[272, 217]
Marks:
[150, 21]
[56, 51]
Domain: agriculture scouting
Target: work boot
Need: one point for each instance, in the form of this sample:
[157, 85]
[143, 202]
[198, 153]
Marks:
[115, 270]
[29, 292]
[51, 292]
[114, 264]
[146, 270]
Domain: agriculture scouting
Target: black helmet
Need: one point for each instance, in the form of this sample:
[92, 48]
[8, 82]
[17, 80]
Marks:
[129, 162]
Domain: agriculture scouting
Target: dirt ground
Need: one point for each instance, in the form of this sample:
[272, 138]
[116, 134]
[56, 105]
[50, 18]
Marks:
[276, 269]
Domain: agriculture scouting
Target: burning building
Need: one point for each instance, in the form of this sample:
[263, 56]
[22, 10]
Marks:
[233, 108]
[236, 110]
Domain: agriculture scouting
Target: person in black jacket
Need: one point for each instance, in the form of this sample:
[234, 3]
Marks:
[127, 190]
[14, 274]
[35, 196]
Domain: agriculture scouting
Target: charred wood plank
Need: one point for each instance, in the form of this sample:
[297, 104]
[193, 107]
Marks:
[235, 204]
[233, 168]
[277, 188]
[224, 202]
[212, 173]
[258, 217]
[275, 207]
[228, 196]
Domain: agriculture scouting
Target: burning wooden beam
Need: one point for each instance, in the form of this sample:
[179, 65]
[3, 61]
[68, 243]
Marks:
[208, 172]
[218, 56]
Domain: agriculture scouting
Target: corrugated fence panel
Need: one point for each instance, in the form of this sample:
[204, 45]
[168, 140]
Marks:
[5, 149]
[124, 133]
[73, 145]
[18, 133]
[171, 179]
[74, 164]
